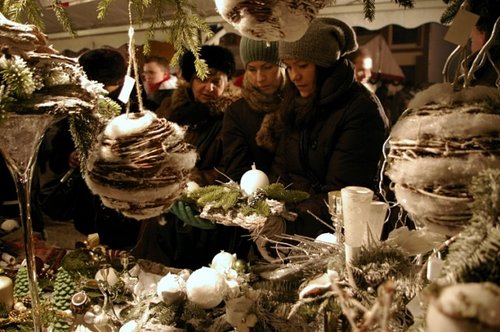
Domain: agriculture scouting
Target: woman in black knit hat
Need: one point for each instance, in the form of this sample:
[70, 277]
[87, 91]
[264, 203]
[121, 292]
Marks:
[334, 127]
[186, 241]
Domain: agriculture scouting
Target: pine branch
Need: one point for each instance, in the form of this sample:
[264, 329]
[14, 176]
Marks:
[102, 8]
[369, 9]
[450, 11]
[62, 17]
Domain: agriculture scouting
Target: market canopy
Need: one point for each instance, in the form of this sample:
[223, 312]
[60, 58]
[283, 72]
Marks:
[83, 15]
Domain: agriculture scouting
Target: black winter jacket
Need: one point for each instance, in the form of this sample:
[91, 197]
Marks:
[339, 144]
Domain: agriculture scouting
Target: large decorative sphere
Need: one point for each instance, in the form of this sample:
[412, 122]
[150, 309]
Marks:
[270, 20]
[438, 145]
[140, 164]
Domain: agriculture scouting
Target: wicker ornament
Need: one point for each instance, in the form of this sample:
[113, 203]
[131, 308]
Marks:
[438, 145]
[140, 165]
[270, 20]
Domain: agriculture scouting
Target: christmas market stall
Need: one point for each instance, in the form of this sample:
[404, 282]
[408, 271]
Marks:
[442, 159]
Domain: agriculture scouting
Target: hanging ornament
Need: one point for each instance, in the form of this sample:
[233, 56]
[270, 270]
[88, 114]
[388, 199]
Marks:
[438, 145]
[270, 20]
[252, 180]
[140, 164]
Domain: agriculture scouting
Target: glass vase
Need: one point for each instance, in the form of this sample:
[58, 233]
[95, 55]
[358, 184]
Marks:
[21, 137]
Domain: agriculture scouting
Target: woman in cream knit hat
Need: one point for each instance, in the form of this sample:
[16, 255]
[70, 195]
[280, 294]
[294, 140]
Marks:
[334, 127]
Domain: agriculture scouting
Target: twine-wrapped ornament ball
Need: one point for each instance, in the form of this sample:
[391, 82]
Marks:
[140, 164]
[270, 20]
[438, 145]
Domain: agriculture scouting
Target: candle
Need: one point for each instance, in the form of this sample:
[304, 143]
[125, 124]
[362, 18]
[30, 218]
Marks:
[6, 292]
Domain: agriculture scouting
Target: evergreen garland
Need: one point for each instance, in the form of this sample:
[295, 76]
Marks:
[473, 256]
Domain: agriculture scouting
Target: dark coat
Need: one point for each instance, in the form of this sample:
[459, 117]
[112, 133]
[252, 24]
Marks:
[336, 144]
[175, 244]
[241, 124]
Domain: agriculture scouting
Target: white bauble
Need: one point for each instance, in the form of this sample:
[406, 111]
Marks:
[206, 287]
[171, 288]
[108, 275]
[252, 180]
[326, 238]
[192, 186]
[223, 262]
[130, 326]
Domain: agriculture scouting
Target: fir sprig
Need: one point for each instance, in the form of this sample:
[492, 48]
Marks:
[32, 12]
[451, 11]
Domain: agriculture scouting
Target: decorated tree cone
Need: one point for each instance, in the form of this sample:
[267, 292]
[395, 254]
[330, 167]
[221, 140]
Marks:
[252, 180]
[437, 146]
[140, 165]
[270, 20]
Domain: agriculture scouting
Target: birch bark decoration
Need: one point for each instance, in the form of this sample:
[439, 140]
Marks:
[270, 20]
[140, 165]
[440, 143]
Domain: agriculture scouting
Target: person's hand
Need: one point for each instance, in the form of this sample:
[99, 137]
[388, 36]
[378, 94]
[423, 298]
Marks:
[185, 213]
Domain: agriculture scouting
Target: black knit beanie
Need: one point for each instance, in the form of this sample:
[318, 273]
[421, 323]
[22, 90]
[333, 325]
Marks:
[324, 43]
[216, 57]
[104, 65]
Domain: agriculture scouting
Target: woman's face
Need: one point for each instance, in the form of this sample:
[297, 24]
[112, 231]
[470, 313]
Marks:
[303, 75]
[478, 39]
[211, 88]
[265, 76]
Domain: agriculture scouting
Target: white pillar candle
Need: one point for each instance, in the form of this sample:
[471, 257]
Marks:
[356, 210]
[6, 292]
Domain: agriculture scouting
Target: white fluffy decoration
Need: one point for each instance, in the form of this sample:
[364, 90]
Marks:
[206, 287]
[140, 165]
[465, 307]
[437, 146]
[270, 20]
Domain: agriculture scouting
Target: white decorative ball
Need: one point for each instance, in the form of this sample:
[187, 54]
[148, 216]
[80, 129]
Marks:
[108, 275]
[326, 238]
[206, 287]
[252, 180]
[223, 262]
[130, 326]
[171, 288]
[192, 186]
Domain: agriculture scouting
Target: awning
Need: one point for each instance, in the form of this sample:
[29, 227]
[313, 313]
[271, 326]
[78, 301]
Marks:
[83, 14]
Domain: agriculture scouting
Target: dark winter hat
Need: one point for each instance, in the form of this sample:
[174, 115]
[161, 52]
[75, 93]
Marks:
[258, 50]
[104, 65]
[324, 43]
[488, 11]
[216, 57]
